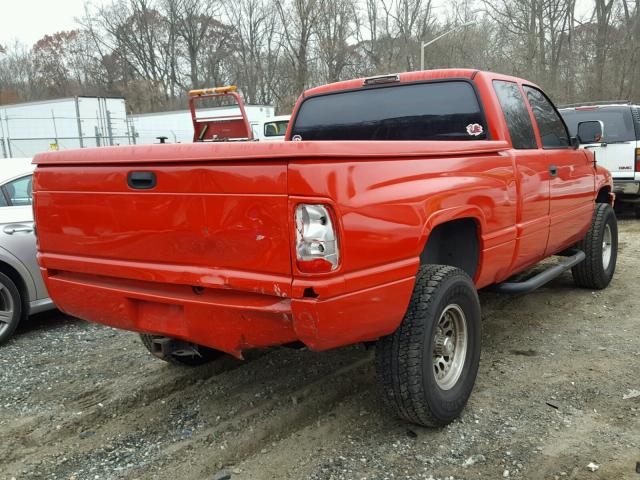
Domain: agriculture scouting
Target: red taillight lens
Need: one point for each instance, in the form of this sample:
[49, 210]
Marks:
[638, 160]
[319, 265]
[316, 241]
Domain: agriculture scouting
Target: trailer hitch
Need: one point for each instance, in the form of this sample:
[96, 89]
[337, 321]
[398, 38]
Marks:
[163, 347]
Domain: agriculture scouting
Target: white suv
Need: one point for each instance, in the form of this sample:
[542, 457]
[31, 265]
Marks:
[619, 150]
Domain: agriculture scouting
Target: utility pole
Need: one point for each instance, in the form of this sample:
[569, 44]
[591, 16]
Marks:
[423, 45]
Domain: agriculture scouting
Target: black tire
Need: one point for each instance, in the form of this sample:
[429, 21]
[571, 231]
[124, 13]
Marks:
[11, 306]
[636, 211]
[405, 368]
[206, 354]
[592, 272]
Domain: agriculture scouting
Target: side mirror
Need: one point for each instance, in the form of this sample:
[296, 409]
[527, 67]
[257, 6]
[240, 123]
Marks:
[591, 131]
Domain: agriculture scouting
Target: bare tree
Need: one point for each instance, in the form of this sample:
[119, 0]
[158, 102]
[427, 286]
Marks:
[335, 28]
[194, 21]
[255, 23]
[406, 22]
[602, 13]
[299, 19]
[146, 40]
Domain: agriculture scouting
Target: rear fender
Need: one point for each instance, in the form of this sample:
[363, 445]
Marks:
[462, 212]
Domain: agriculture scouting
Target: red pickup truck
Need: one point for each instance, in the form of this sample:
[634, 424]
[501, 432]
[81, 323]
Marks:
[395, 200]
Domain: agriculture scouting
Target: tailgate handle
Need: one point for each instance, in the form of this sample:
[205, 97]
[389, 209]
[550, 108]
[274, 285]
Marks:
[141, 180]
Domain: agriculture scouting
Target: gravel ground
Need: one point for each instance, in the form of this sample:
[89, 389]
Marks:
[558, 389]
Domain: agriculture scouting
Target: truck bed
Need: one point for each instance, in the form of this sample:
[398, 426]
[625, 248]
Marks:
[205, 255]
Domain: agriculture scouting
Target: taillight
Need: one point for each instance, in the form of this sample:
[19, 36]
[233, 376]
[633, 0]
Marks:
[638, 160]
[316, 241]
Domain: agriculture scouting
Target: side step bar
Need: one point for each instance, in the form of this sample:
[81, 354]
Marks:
[576, 256]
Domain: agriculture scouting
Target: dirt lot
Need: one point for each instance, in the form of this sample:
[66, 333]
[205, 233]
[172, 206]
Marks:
[81, 401]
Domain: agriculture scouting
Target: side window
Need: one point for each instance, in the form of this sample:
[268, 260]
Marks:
[3, 200]
[552, 129]
[516, 114]
[18, 191]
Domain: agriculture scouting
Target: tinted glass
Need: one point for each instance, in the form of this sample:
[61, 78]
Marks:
[3, 201]
[275, 129]
[19, 191]
[516, 114]
[424, 111]
[618, 123]
[552, 130]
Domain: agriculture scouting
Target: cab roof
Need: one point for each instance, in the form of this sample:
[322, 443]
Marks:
[408, 77]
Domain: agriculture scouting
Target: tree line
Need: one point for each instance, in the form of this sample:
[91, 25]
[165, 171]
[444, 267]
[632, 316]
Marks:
[153, 51]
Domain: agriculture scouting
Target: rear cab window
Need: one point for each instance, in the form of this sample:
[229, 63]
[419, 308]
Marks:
[617, 120]
[437, 110]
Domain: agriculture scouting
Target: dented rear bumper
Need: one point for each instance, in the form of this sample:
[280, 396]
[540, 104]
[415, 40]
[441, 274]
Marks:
[227, 319]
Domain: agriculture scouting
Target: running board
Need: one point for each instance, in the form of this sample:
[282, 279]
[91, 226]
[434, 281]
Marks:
[576, 256]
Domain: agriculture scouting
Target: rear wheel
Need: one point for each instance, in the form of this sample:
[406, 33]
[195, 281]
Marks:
[426, 369]
[10, 308]
[600, 246]
[192, 355]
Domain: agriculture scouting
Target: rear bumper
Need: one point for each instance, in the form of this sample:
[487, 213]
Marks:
[230, 320]
[626, 187]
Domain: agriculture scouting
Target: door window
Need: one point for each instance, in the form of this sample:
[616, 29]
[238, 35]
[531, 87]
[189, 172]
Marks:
[18, 192]
[553, 132]
[516, 114]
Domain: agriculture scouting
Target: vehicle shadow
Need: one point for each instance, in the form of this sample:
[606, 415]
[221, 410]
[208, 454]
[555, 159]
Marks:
[44, 321]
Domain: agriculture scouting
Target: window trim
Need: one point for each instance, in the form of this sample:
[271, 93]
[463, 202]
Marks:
[474, 87]
[555, 109]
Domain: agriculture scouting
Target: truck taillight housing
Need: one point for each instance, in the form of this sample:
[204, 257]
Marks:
[316, 240]
[637, 160]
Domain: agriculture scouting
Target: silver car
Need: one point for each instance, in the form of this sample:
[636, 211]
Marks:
[22, 290]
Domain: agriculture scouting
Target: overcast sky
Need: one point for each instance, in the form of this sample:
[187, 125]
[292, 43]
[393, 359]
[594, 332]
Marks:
[30, 20]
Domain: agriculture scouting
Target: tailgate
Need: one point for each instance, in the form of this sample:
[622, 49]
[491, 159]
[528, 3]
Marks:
[217, 216]
[210, 224]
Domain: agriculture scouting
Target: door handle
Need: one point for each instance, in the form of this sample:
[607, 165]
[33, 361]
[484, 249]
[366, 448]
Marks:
[553, 170]
[141, 180]
[11, 229]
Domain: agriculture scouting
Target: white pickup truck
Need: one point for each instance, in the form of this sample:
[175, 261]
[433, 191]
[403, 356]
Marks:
[619, 149]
